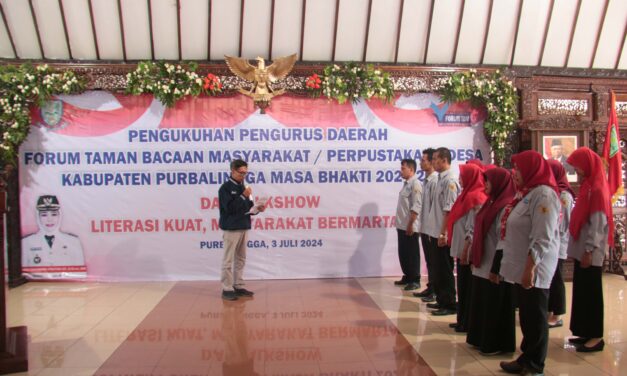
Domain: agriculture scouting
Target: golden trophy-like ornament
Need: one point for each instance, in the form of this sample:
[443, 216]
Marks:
[261, 77]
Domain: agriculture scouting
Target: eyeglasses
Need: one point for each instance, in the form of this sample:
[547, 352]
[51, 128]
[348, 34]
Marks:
[243, 173]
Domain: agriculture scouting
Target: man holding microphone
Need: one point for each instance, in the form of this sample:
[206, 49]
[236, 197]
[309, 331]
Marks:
[236, 207]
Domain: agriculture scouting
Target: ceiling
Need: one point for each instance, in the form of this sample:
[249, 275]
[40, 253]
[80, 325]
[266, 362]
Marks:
[586, 34]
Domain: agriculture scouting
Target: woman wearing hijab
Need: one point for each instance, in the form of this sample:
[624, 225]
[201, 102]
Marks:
[479, 164]
[530, 249]
[460, 227]
[591, 225]
[491, 322]
[557, 291]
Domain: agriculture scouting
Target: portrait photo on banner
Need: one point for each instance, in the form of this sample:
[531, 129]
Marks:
[559, 147]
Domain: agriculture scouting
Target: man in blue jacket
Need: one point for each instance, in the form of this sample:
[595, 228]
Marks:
[235, 205]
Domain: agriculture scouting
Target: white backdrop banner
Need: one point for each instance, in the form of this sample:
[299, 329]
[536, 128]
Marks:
[129, 188]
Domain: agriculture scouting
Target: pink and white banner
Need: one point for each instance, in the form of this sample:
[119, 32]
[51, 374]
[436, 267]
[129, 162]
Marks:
[126, 189]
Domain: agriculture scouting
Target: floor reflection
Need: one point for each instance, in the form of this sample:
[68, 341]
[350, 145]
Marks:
[238, 359]
[365, 327]
[321, 326]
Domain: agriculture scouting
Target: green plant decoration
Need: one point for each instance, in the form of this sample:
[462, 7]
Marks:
[497, 94]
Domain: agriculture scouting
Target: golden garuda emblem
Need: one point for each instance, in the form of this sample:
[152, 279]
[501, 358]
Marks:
[261, 77]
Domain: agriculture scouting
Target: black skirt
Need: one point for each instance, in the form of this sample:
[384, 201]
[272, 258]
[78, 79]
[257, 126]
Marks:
[586, 317]
[557, 291]
[492, 319]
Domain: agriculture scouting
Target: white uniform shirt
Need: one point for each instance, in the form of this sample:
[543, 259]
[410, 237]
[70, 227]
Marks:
[409, 200]
[567, 206]
[463, 229]
[64, 259]
[427, 222]
[490, 243]
[66, 250]
[592, 237]
[445, 195]
[532, 228]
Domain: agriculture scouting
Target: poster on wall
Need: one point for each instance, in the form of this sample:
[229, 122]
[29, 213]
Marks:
[559, 148]
[120, 188]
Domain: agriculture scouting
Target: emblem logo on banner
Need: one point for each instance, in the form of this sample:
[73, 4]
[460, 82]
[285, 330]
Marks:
[464, 118]
[439, 112]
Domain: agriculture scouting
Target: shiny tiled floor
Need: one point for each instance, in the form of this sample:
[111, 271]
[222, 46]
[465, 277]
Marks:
[336, 327]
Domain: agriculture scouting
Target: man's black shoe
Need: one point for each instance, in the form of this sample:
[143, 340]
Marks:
[244, 292]
[512, 367]
[401, 282]
[458, 328]
[433, 305]
[444, 312]
[428, 299]
[229, 295]
[412, 286]
[423, 294]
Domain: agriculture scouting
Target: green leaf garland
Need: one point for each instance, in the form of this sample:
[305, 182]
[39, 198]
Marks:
[497, 94]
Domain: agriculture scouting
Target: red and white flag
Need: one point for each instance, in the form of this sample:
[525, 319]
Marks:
[612, 153]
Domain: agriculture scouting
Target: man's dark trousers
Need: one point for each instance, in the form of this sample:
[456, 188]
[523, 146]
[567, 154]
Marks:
[409, 256]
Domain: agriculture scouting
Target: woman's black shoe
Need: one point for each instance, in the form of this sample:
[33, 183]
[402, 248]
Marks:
[578, 340]
[598, 347]
[557, 324]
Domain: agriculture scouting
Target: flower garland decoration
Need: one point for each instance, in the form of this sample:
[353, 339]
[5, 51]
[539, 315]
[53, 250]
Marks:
[170, 83]
[313, 82]
[351, 82]
[21, 87]
[497, 94]
[212, 84]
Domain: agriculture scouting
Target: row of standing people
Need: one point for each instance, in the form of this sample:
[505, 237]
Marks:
[423, 210]
[509, 233]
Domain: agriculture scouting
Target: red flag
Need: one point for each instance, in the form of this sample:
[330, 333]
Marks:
[612, 153]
